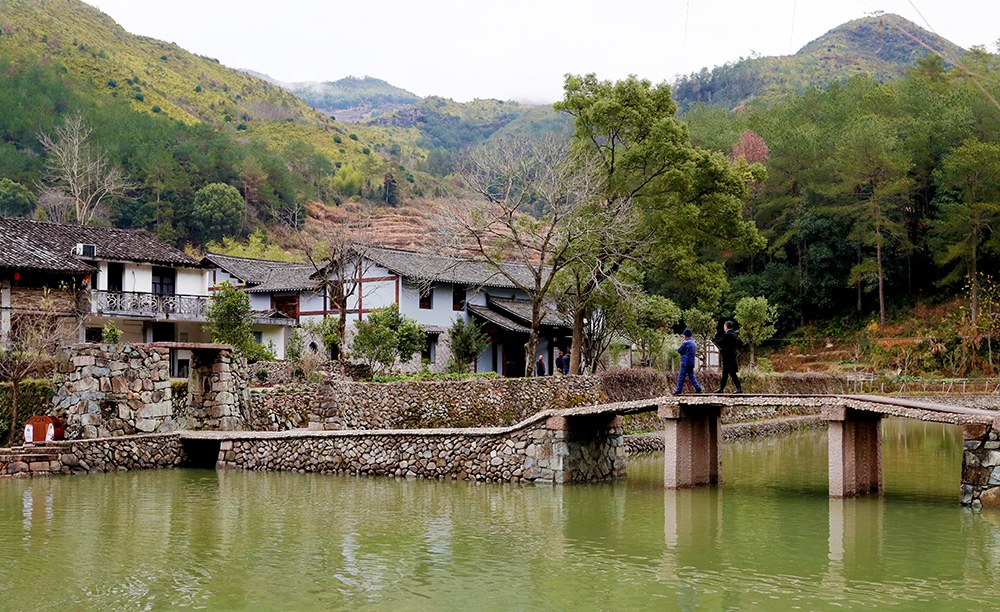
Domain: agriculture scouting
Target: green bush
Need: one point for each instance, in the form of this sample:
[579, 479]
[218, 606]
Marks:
[337, 139]
[36, 399]
[110, 334]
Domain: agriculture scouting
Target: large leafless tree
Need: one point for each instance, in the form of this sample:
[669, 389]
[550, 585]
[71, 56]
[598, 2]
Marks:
[527, 217]
[340, 255]
[80, 171]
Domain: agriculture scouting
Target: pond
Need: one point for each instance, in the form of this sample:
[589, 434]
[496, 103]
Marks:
[767, 538]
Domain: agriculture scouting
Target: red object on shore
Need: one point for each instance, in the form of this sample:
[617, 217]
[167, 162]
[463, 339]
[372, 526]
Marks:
[40, 429]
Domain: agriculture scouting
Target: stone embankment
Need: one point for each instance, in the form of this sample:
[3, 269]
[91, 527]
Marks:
[118, 454]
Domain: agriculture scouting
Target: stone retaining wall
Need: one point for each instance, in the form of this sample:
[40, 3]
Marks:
[546, 449]
[105, 390]
[123, 454]
[473, 402]
[118, 454]
[282, 408]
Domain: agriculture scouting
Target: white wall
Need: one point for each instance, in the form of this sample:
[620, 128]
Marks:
[277, 334]
[192, 281]
[138, 277]
[260, 301]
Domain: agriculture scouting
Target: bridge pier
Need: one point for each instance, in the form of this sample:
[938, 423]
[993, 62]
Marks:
[691, 445]
[981, 465]
[855, 452]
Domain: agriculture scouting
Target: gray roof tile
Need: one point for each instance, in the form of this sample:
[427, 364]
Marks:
[39, 245]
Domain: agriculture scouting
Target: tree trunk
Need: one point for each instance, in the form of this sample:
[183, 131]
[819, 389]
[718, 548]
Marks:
[577, 348]
[342, 332]
[975, 293]
[15, 404]
[881, 288]
[532, 343]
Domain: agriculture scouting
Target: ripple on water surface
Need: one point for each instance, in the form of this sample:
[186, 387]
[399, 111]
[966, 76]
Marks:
[767, 538]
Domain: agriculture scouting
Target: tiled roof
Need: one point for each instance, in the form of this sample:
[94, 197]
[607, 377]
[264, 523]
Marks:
[264, 275]
[521, 310]
[442, 268]
[497, 319]
[38, 245]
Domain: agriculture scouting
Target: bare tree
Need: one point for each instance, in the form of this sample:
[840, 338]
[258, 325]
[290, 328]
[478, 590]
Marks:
[28, 348]
[528, 217]
[340, 255]
[80, 171]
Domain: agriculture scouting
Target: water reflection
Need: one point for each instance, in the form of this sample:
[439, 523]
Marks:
[767, 538]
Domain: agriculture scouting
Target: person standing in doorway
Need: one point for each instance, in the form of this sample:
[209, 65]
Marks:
[688, 351]
[727, 352]
[540, 366]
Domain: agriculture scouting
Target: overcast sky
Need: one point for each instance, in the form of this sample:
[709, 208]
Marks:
[515, 49]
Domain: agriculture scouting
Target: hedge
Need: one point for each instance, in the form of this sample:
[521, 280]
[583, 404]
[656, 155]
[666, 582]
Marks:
[36, 399]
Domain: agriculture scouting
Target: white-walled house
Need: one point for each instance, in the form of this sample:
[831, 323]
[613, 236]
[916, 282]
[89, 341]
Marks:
[432, 289]
[148, 289]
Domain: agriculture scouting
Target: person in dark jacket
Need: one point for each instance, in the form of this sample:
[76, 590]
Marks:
[688, 352]
[540, 366]
[727, 352]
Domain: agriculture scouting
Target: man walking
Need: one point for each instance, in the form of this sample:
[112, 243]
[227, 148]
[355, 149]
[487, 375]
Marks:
[688, 351]
[727, 351]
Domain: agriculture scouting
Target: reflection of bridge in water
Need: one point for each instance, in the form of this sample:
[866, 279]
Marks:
[692, 435]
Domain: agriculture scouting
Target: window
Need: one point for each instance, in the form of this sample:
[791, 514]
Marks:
[258, 337]
[116, 276]
[93, 334]
[164, 281]
[427, 299]
[287, 305]
[163, 332]
[458, 297]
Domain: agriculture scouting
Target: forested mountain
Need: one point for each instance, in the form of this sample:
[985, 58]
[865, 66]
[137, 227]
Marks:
[175, 122]
[882, 47]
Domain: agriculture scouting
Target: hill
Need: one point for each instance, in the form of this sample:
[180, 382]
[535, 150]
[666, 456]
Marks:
[352, 100]
[882, 47]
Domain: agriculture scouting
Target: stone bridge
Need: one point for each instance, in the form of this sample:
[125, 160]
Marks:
[691, 435]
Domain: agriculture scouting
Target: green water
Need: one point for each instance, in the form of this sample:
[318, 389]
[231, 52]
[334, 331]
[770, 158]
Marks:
[768, 538]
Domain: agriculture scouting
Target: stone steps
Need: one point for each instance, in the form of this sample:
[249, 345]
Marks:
[31, 459]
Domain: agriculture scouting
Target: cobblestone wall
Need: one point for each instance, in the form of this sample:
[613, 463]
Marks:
[282, 408]
[123, 454]
[473, 402]
[981, 466]
[546, 449]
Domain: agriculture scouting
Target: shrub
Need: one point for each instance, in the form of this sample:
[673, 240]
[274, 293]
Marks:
[139, 97]
[385, 336]
[156, 109]
[112, 83]
[262, 376]
[197, 89]
[352, 136]
[110, 334]
[337, 139]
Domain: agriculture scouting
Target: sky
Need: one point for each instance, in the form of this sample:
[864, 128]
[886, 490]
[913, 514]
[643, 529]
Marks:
[515, 49]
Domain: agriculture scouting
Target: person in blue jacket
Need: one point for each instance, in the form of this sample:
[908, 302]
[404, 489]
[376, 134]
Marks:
[688, 351]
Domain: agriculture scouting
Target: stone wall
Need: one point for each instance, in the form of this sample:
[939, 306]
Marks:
[113, 390]
[981, 466]
[282, 408]
[218, 390]
[123, 454]
[120, 454]
[472, 402]
[545, 449]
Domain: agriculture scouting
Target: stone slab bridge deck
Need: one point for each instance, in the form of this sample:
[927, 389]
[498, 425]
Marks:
[586, 444]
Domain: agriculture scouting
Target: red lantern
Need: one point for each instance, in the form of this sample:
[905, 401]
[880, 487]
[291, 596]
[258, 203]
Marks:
[86, 280]
[17, 276]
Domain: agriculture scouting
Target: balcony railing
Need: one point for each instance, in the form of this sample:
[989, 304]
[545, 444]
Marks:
[133, 303]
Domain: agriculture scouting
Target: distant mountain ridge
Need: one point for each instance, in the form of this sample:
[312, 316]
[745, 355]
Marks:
[350, 99]
[880, 46]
